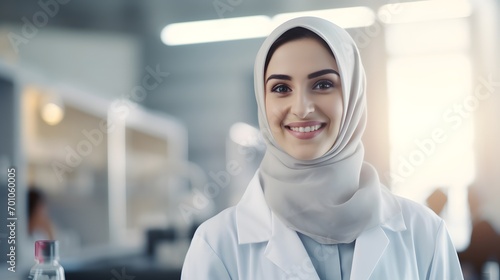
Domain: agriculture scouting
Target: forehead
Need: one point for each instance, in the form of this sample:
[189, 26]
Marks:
[301, 55]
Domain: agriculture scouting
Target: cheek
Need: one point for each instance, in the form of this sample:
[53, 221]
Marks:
[336, 110]
[274, 113]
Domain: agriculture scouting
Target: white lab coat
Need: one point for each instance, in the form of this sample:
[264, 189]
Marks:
[248, 241]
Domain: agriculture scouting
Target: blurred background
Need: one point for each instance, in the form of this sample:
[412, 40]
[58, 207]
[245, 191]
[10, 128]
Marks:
[134, 121]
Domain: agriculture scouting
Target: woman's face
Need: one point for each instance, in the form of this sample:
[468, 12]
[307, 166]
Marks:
[303, 98]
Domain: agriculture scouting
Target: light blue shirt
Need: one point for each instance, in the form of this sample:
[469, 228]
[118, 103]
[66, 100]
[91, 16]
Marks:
[330, 261]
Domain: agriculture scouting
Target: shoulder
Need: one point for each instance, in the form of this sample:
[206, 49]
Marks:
[220, 230]
[420, 221]
[434, 250]
[207, 257]
[423, 247]
[420, 238]
[417, 213]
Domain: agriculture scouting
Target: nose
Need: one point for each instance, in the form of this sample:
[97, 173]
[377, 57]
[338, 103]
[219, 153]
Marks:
[303, 104]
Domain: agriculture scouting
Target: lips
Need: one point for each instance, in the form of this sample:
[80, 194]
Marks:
[305, 130]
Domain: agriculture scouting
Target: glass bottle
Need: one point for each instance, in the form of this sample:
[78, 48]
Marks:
[47, 265]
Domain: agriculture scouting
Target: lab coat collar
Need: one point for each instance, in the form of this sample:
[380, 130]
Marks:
[253, 216]
[369, 248]
[256, 223]
[371, 244]
[285, 250]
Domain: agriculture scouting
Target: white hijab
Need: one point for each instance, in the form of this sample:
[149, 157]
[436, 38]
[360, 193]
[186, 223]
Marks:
[335, 197]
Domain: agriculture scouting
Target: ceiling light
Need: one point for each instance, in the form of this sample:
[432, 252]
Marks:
[215, 30]
[344, 17]
[52, 114]
[424, 11]
[218, 30]
[52, 109]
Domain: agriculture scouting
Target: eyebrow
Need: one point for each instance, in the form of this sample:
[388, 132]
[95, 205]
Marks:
[279, 77]
[310, 76]
[322, 72]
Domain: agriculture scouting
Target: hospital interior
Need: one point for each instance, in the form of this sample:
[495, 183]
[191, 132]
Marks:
[132, 122]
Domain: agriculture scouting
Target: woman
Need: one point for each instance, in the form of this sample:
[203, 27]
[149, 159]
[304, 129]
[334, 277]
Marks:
[314, 209]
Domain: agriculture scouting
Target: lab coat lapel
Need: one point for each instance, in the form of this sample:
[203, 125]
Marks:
[369, 248]
[285, 250]
[253, 216]
[371, 244]
[256, 223]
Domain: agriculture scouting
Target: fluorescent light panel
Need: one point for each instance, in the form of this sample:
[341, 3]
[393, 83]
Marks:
[424, 11]
[256, 26]
[215, 30]
[344, 17]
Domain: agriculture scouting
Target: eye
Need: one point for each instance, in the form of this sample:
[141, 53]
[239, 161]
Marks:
[280, 88]
[323, 84]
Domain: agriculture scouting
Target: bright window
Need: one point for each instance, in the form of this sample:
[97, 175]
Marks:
[431, 104]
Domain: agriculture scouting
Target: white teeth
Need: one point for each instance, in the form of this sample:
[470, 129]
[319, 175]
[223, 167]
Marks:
[306, 128]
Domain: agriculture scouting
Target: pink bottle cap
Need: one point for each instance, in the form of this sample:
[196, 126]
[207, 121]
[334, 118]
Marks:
[46, 250]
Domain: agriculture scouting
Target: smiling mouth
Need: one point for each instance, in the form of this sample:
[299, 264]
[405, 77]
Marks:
[305, 128]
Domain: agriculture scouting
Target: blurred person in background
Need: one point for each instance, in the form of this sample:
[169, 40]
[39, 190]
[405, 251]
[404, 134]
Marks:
[437, 200]
[315, 209]
[484, 244]
[40, 225]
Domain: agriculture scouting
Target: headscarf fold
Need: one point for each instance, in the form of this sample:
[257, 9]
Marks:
[337, 196]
